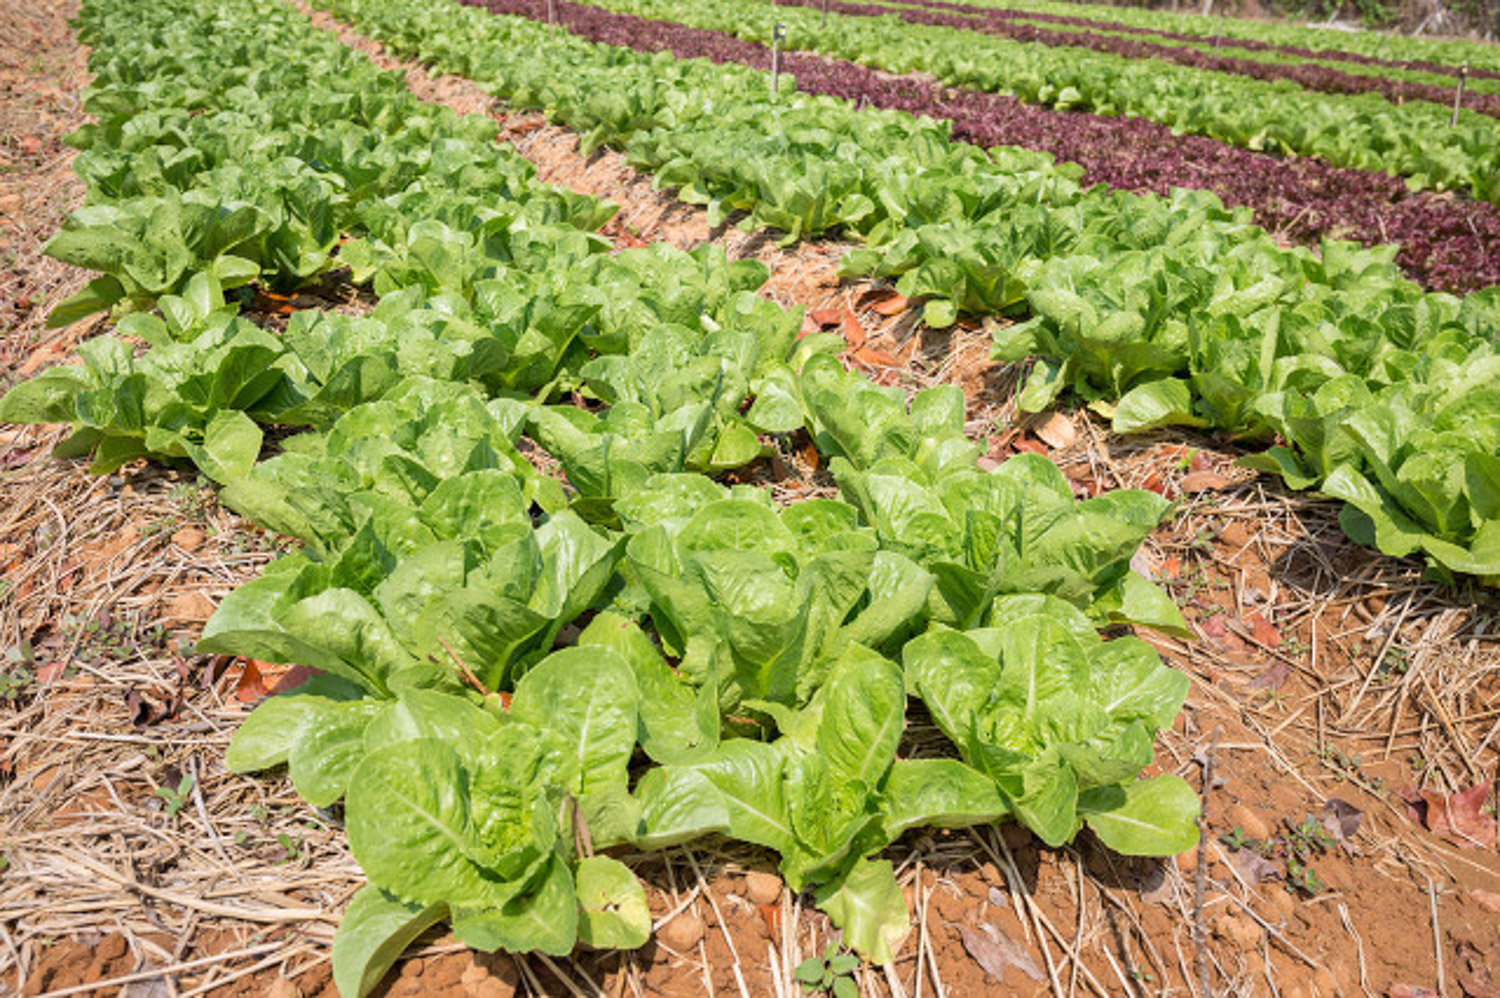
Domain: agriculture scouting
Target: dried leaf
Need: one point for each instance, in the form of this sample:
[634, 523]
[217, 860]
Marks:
[1461, 817]
[1273, 678]
[1457, 817]
[1263, 630]
[891, 305]
[1204, 481]
[854, 332]
[874, 358]
[1056, 431]
[1341, 819]
[993, 950]
[771, 915]
[252, 686]
[50, 673]
[1030, 446]
[143, 713]
[1216, 629]
[1252, 866]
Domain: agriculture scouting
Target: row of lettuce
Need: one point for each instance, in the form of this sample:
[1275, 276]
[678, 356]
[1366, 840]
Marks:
[1158, 311]
[1320, 41]
[1446, 244]
[1396, 85]
[733, 668]
[1370, 69]
[1365, 132]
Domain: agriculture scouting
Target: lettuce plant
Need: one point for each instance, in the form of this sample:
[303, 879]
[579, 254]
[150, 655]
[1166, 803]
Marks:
[1061, 721]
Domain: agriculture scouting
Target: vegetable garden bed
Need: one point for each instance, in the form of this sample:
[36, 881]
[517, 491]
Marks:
[973, 895]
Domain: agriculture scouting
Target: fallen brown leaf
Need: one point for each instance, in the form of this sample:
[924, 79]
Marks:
[1252, 866]
[1262, 630]
[1273, 678]
[1216, 629]
[1457, 817]
[252, 685]
[891, 305]
[993, 950]
[1341, 819]
[1204, 481]
[875, 358]
[1056, 431]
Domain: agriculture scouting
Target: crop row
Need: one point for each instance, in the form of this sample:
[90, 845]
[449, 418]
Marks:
[1312, 42]
[1175, 310]
[1443, 244]
[741, 669]
[1417, 70]
[1308, 76]
[1365, 132]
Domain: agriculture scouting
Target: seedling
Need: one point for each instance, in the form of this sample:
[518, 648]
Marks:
[18, 673]
[176, 798]
[1303, 877]
[830, 973]
[292, 847]
[1237, 839]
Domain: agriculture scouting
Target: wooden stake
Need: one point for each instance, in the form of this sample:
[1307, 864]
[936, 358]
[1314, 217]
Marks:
[1458, 96]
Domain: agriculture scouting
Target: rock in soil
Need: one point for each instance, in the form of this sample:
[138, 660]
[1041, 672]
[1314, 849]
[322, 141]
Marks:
[762, 888]
[683, 932]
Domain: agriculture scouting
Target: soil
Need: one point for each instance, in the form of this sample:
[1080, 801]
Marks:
[1328, 682]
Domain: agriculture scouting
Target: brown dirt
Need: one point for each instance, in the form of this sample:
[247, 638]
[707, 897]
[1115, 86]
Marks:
[1323, 672]
[39, 83]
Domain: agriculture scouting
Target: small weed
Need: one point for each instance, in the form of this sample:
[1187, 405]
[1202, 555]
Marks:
[293, 848]
[1296, 849]
[188, 498]
[111, 638]
[177, 798]
[1304, 878]
[1344, 766]
[17, 676]
[1394, 663]
[1294, 646]
[830, 973]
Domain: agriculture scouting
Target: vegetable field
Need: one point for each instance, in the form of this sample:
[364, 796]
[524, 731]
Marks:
[898, 498]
